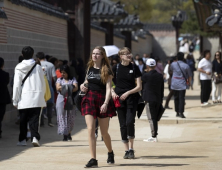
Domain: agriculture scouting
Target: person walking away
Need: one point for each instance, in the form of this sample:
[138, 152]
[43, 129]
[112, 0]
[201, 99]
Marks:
[153, 96]
[217, 72]
[142, 65]
[5, 96]
[169, 84]
[49, 71]
[205, 69]
[29, 97]
[191, 63]
[128, 84]
[96, 103]
[65, 86]
[181, 76]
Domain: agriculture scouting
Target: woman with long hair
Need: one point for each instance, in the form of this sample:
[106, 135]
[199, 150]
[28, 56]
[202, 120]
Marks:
[128, 84]
[65, 86]
[217, 72]
[96, 103]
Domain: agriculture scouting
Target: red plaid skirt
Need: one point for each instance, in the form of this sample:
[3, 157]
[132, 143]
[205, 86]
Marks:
[92, 102]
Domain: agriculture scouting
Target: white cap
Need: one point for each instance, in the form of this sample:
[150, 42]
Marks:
[151, 62]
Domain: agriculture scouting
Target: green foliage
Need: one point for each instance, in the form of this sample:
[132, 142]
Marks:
[142, 8]
[161, 11]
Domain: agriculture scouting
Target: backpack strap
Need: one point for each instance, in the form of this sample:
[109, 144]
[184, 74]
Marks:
[23, 81]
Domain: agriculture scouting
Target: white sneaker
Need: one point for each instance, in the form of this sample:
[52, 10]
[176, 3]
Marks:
[204, 104]
[35, 142]
[151, 139]
[22, 143]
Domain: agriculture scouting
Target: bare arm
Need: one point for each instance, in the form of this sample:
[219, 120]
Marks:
[58, 87]
[82, 87]
[126, 94]
[202, 71]
[103, 108]
[76, 87]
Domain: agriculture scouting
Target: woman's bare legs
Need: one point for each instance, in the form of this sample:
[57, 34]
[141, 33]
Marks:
[90, 122]
[104, 126]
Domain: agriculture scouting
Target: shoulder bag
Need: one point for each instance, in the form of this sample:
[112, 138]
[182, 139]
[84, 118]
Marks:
[187, 82]
[79, 96]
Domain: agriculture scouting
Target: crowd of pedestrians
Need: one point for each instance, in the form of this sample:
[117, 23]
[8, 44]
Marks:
[109, 87]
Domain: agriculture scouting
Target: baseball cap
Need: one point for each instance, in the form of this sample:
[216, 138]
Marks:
[151, 62]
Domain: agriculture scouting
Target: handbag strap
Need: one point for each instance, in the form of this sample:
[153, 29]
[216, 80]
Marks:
[182, 72]
[23, 81]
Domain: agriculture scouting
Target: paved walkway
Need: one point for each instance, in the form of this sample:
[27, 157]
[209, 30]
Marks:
[193, 143]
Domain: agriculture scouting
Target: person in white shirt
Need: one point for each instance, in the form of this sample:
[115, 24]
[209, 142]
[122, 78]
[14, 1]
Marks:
[205, 69]
[29, 97]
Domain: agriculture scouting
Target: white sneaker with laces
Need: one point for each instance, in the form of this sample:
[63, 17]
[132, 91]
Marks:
[22, 143]
[35, 142]
[151, 139]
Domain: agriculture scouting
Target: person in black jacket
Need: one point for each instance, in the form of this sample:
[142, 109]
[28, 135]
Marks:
[5, 96]
[153, 96]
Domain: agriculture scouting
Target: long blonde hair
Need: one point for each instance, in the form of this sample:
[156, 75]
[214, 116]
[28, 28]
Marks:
[105, 65]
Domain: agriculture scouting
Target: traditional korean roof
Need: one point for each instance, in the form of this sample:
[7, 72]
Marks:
[41, 6]
[205, 10]
[158, 27]
[130, 23]
[97, 26]
[107, 11]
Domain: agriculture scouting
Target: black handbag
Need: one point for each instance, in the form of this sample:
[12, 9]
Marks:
[78, 100]
[79, 96]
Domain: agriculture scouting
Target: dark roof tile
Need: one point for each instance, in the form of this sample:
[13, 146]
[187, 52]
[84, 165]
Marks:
[106, 10]
[130, 23]
[41, 6]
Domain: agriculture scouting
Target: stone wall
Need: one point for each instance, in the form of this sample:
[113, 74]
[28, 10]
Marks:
[211, 44]
[164, 43]
[97, 38]
[119, 42]
[26, 27]
[142, 46]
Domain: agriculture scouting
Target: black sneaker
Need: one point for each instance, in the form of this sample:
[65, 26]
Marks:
[93, 163]
[69, 137]
[110, 159]
[65, 138]
[131, 154]
[126, 156]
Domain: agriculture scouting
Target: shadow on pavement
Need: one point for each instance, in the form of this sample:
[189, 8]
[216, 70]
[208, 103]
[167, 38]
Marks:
[9, 149]
[171, 157]
[141, 164]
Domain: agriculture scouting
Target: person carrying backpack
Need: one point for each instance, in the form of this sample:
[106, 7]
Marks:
[128, 84]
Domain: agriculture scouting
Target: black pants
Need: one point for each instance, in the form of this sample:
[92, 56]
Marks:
[179, 100]
[2, 113]
[169, 98]
[152, 109]
[127, 120]
[206, 88]
[48, 112]
[30, 116]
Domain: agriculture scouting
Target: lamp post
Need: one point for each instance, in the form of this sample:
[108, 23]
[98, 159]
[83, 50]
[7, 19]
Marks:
[177, 21]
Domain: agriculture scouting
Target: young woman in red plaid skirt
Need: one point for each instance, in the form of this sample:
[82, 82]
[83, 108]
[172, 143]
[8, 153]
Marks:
[96, 103]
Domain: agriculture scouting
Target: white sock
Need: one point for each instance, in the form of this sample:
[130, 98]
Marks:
[130, 149]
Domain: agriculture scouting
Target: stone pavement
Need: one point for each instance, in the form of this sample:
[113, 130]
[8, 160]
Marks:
[193, 143]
